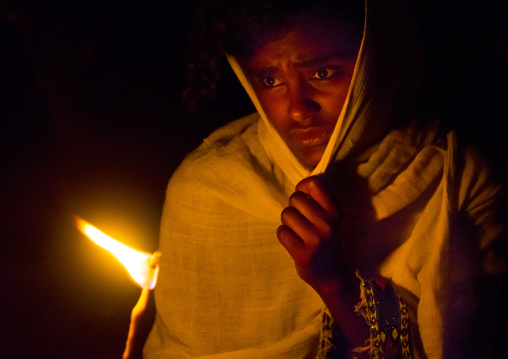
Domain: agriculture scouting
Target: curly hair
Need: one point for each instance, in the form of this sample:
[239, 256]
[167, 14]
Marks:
[241, 27]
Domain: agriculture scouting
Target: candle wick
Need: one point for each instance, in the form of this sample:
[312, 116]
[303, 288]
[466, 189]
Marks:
[153, 261]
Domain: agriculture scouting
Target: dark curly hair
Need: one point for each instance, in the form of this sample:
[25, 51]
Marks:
[241, 27]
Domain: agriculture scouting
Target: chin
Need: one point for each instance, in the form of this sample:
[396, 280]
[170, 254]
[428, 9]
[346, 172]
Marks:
[310, 159]
[310, 162]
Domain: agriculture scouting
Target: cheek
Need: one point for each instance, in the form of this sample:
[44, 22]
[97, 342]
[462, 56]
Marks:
[275, 108]
[332, 102]
[333, 105]
[334, 93]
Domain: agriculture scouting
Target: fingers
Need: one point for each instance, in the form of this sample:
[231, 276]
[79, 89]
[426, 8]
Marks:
[309, 230]
[300, 249]
[301, 225]
[305, 215]
[292, 242]
[316, 189]
[312, 213]
[310, 218]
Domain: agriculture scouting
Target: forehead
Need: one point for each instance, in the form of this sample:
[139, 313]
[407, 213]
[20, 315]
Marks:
[306, 43]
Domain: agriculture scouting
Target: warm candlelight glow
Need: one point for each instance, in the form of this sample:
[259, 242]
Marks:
[141, 266]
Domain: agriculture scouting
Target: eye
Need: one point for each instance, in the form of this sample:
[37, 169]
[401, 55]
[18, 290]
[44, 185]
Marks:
[324, 74]
[270, 81]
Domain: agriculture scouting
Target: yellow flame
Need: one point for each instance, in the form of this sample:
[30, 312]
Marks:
[141, 266]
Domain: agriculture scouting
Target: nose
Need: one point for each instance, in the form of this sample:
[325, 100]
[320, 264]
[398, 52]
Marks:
[302, 104]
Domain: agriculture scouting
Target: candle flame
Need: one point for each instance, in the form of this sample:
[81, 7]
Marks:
[142, 266]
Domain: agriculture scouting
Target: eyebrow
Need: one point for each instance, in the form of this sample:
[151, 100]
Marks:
[319, 60]
[261, 73]
[304, 63]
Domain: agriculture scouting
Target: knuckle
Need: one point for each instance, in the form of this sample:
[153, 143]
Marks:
[297, 197]
[327, 232]
[314, 182]
[309, 181]
[288, 211]
[293, 197]
[304, 183]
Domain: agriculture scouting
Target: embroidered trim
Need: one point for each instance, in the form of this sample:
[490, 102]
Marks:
[395, 328]
[325, 335]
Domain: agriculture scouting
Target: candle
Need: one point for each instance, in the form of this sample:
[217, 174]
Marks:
[143, 267]
[137, 312]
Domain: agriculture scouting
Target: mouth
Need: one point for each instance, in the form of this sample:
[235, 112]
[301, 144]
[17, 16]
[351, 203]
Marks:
[310, 137]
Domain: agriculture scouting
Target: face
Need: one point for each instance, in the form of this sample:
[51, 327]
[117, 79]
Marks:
[301, 80]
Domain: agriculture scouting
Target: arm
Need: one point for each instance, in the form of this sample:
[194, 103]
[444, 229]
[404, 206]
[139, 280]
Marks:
[310, 232]
[313, 234]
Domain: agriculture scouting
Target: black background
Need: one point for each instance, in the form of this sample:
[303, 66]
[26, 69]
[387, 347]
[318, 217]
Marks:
[93, 125]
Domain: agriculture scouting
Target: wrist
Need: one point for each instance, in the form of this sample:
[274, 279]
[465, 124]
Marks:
[340, 284]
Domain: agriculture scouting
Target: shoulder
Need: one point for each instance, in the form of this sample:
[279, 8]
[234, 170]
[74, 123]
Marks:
[230, 168]
[228, 139]
[480, 198]
[222, 154]
[471, 174]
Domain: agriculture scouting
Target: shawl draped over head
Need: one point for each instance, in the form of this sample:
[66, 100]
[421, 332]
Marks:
[228, 289]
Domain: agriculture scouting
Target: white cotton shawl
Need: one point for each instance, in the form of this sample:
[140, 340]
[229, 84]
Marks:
[228, 289]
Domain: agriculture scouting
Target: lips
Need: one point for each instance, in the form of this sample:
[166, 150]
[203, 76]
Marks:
[310, 137]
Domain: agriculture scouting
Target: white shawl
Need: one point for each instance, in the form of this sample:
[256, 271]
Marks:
[227, 288]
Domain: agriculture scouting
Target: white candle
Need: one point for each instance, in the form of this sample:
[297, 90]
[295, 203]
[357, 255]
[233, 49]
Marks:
[138, 311]
[143, 268]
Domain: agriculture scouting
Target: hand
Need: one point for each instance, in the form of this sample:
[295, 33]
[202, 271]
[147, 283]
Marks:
[309, 232]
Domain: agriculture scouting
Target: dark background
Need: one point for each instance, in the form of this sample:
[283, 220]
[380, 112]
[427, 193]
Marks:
[93, 125]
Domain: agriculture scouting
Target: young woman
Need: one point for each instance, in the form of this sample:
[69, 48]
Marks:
[390, 226]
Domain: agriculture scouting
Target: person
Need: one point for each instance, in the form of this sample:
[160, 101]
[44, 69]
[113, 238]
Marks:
[390, 244]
